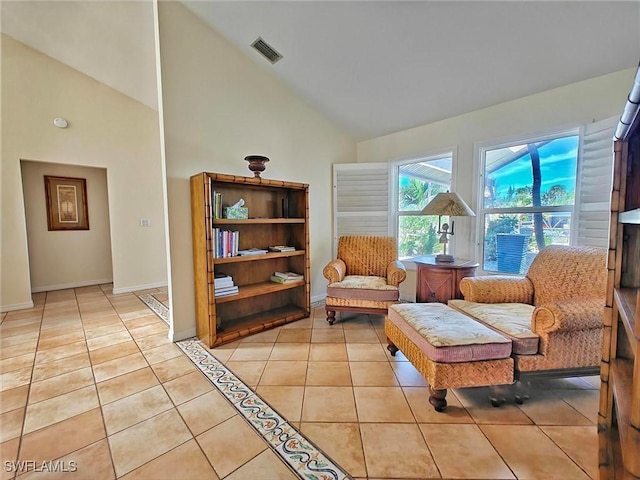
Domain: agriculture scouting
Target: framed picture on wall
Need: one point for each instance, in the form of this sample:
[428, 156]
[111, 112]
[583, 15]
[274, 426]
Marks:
[66, 203]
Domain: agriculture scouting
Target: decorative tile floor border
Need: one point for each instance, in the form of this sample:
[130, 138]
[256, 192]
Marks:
[156, 305]
[304, 458]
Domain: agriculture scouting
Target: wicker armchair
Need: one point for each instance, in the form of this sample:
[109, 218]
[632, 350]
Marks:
[365, 276]
[561, 300]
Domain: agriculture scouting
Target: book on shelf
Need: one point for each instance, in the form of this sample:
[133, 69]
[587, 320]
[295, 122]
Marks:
[216, 201]
[282, 248]
[252, 251]
[221, 280]
[225, 243]
[226, 291]
[276, 279]
[289, 275]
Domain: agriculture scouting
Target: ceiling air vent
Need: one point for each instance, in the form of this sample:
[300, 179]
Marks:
[266, 50]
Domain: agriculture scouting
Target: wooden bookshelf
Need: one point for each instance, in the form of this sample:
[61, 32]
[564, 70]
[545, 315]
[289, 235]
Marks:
[259, 304]
[619, 411]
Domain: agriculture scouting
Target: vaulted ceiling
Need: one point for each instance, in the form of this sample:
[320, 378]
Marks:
[372, 68]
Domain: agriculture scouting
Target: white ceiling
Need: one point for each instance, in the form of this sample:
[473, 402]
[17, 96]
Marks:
[374, 67]
[110, 41]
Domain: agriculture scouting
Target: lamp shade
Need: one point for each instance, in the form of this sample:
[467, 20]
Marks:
[450, 204]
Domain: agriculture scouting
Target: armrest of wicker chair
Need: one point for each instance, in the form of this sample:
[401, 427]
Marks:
[396, 273]
[335, 270]
[497, 289]
[567, 316]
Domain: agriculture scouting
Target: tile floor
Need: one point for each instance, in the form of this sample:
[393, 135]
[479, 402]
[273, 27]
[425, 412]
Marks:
[90, 380]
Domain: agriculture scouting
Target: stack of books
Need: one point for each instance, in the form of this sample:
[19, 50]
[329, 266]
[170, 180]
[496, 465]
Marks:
[215, 202]
[286, 277]
[282, 248]
[252, 251]
[223, 285]
[225, 243]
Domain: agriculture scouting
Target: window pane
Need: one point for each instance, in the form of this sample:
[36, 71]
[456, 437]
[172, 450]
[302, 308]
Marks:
[417, 235]
[419, 182]
[509, 174]
[510, 243]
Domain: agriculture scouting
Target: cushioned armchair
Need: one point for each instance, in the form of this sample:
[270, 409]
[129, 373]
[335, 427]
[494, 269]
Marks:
[365, 276]
[553, 314]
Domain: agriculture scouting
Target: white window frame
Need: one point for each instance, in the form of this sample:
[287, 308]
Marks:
[479, 167]
[394, 178]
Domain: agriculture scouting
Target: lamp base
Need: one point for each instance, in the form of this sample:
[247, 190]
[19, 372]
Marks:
[444, 258]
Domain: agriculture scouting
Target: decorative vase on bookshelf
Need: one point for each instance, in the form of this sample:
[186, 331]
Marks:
[256, 163]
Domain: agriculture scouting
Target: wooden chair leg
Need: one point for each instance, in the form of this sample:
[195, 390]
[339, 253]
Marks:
[331, 316]
[391, 347]
[497, 395]
[522, 391]
[437, 398]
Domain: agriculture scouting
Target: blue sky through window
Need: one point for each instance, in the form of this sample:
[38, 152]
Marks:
[558, 160]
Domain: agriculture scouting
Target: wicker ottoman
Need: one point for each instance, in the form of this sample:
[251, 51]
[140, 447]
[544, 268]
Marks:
[450, 349]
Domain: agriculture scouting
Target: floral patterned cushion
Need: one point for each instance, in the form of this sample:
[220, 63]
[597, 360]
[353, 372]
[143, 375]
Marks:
[363, 287]
[448, 336]
[510, 319]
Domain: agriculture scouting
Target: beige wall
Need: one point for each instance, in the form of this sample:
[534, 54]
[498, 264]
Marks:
[64, 259]
[218, 107]
[107, 130]
[562, 108]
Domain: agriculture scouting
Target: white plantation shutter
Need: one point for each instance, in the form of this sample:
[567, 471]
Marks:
[360, 199]
[595, 174]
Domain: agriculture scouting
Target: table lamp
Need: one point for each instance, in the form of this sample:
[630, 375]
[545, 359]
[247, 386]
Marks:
[451, 205]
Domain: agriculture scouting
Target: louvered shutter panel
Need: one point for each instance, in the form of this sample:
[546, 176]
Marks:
[595, 175]
[360, 199]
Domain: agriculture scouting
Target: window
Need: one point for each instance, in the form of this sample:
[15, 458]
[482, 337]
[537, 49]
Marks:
[527, 200]
[418, 181]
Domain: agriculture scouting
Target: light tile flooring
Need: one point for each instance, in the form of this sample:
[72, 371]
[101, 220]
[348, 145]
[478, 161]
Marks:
[90, 379]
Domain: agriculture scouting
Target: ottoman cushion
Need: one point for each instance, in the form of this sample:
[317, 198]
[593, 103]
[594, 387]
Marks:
[446, 335]
[513, 320]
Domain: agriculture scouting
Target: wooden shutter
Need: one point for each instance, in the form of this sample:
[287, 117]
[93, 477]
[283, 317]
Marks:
[595, 174]
[360, 199]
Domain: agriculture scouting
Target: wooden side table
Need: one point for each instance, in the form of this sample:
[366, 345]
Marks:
[440, 282]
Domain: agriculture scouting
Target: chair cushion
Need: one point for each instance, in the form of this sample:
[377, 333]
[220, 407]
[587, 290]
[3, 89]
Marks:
[513, 320]
[363, 287]
[448, 336]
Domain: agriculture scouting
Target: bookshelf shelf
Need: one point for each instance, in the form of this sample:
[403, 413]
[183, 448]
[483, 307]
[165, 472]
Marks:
[261, 257]
[262, 288]
[253, 221]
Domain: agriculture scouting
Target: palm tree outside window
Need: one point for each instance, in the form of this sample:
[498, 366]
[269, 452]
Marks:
[419, 180]
[528, 197]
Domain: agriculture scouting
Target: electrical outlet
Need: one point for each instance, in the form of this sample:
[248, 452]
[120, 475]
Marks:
[145, 222]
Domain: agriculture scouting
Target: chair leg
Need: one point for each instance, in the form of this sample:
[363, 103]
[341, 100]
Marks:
[331, 316]
[522, 391]
[391, 347]
[497, 395]
[437, 398]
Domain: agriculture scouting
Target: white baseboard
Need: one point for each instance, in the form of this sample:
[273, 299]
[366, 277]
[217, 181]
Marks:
[63, 286]
[177, 336]
[16, 306]
[318, 298]
[135, 288]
